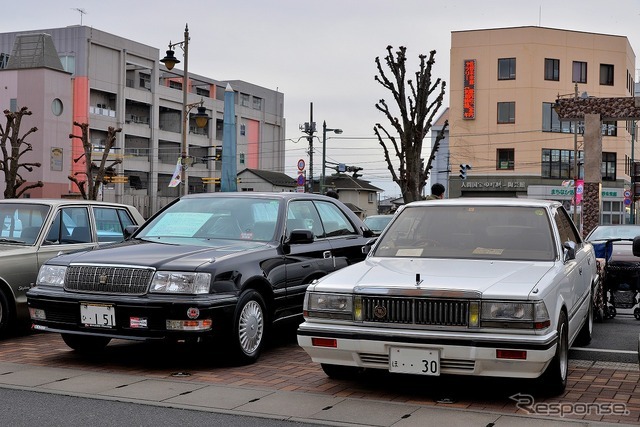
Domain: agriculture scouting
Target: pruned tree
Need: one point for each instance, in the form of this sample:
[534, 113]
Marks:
[416, 115]
[14, 147]
[89, 180]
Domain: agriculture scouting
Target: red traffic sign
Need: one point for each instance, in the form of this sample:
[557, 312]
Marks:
[301, 164]
[627, 194]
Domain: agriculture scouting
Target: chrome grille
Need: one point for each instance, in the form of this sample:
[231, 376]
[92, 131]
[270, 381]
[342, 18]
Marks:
[108, 279]
[415, 311]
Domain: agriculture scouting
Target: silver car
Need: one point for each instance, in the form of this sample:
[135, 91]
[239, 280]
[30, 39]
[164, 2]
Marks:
[488, 287]
[34, 230]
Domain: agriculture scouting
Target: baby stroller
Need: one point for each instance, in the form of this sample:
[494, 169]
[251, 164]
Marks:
[620, 276]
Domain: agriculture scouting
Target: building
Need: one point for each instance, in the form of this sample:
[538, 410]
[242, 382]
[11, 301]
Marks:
[265, 181]
[359, 195]
[115, 82]
[503, 85]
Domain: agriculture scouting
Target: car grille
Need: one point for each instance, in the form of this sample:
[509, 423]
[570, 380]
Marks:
[416, 311]
[108, 279]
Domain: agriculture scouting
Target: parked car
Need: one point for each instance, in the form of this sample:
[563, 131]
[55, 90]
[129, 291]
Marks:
[620, 267]
[35, 230]
[377, 223]
[488, 287]
[207, 266]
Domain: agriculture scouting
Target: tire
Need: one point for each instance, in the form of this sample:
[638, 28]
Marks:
[584, 336]
[249, 327]
[339, 372]
[554, 379]
[6, 316]
[84, 343]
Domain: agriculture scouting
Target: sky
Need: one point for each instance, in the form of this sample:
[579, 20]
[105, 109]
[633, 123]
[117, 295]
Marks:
[320, 52]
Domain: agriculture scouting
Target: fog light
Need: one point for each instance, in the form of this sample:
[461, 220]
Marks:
[189, 325]
[37, 314]
[511, 354]
[324, 342]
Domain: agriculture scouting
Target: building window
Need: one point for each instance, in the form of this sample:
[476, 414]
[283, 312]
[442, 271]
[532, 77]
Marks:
[175, 85]
[257, 103]
[579, 73]
[606, 74]
[506, 112]
[244, 99]
[68, 63]
[243, 130]
[552, 123]
[552, 69]
[145, 80]
[608, 167]
[4, 60]
[505, 158]
[13, 105]
[609, 128]
[559, 163]
[56, 107]
[507, 69]
[202, 91]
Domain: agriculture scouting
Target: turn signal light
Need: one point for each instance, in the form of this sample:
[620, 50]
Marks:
[511, 354]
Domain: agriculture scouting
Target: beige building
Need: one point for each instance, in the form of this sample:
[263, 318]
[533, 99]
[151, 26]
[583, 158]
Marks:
[503, 84]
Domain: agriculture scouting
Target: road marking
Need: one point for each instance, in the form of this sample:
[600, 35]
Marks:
[603, 350]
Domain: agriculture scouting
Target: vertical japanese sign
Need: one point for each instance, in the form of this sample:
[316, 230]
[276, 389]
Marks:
[469, 90]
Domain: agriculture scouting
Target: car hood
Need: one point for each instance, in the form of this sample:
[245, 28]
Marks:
[161, 255]
[490, 278]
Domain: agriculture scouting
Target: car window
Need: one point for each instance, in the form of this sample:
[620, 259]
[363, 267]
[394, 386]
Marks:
[334, 221]
[70, 225]
[566, 229]
[110, 223]
[483, 232]
[302, 214]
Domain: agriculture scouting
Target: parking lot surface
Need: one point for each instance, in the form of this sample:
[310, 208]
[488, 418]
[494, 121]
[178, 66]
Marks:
[285, 383]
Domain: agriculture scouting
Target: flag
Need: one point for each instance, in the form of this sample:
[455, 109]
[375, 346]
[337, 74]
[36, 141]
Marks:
[176, 178]
[579, 189]
[567, 183]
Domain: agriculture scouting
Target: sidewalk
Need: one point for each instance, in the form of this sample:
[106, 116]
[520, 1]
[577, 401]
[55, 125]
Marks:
[260, 402]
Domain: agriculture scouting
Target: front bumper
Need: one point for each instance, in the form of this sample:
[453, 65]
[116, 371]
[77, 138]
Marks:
[149, 313]
[460, 353]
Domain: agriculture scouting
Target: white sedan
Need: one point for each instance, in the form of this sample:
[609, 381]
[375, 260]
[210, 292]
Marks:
[489, 287]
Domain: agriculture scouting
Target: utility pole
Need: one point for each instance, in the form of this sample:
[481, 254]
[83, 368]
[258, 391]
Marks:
[309, 128]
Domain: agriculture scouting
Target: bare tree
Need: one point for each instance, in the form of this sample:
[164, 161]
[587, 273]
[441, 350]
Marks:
[417, 113]
[89, 180]
[11, 153]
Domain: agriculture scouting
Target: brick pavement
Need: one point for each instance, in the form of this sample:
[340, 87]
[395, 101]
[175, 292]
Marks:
[285, 366]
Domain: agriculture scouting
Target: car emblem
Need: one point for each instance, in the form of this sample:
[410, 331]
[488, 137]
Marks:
[103, 279]
[193, 313]
[380, 311]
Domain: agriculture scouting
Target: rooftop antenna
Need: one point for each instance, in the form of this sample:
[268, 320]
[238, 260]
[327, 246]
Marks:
[81, 11]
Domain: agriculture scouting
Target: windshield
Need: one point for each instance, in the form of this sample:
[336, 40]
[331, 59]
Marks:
[482, 232]
[205, 219]
[615, 232]
[21, 223]
[377, 223]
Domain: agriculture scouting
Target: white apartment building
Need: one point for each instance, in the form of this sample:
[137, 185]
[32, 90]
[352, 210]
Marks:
[110, 81]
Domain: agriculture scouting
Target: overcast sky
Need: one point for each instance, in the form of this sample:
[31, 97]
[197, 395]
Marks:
[319, 51]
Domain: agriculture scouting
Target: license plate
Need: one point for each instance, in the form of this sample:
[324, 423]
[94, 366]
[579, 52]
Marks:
[420, 361]
[98, 315]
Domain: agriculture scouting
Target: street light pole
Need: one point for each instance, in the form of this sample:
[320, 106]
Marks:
[324, 151]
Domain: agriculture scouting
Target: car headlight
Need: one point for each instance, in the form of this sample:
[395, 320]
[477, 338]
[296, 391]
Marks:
[328, 305]
[51, 275]
[176, 282]
[515, 314]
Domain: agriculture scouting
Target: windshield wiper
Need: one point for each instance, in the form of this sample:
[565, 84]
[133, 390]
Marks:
[5, 240]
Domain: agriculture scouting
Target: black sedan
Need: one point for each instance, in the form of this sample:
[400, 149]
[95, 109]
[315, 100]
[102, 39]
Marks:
[206, 266]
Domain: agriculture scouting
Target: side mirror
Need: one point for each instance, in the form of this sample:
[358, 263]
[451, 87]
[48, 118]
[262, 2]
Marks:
[636, 246]
[300, 236]
[129, 230]
[369, 233]
[367, 247]
[569, 250]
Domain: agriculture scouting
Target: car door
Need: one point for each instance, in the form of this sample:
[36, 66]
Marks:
[345, 240]
[305, 261]
[69, 230]
[578, 271]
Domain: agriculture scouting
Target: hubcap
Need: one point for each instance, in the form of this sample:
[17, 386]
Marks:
[250, 327]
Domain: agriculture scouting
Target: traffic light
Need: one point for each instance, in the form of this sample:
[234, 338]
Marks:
[463, 171]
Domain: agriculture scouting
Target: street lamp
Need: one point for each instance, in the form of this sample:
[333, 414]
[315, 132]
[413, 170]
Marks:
[201, 117]
[324, 151]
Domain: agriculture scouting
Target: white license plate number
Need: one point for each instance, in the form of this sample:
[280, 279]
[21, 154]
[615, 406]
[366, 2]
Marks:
[420, 361]
[98, 315]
